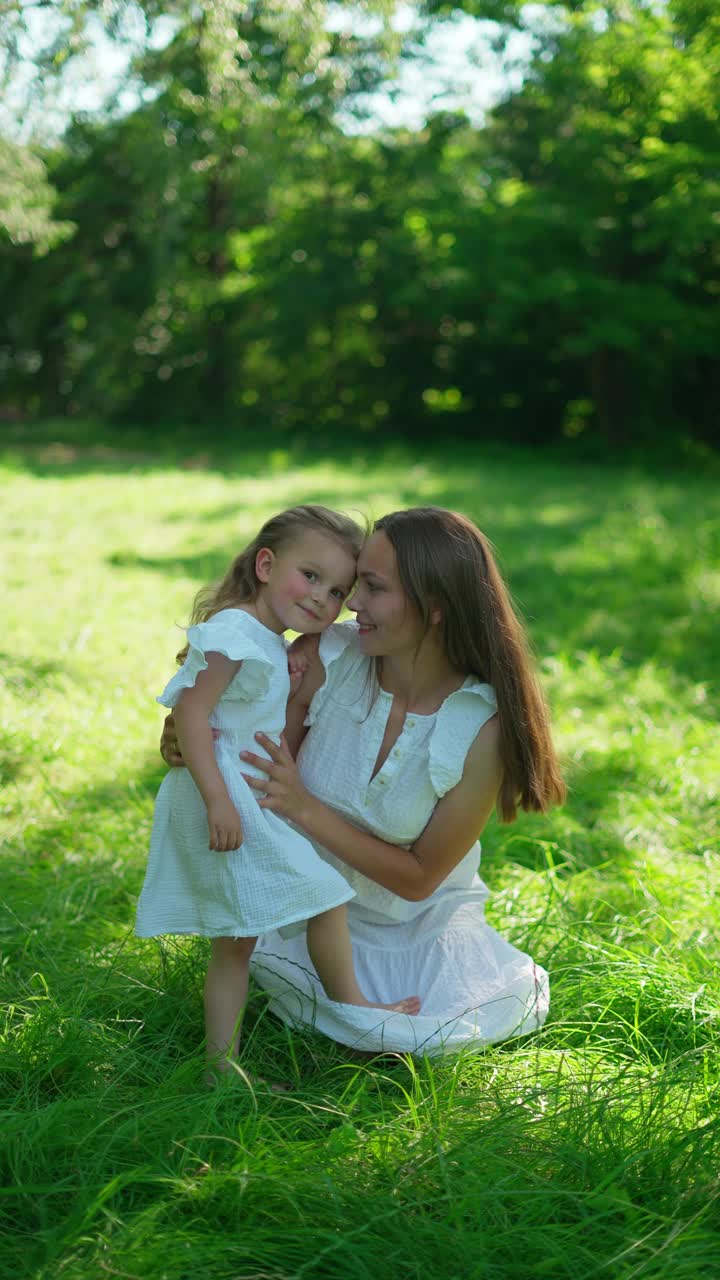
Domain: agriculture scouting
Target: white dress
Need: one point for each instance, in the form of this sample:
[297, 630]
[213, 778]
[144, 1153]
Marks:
[475, 987]
[275, 877]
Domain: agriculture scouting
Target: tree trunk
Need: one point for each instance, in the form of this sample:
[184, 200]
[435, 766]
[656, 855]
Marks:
[610, 391]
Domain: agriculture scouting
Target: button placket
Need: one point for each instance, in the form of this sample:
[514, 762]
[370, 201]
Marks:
[374, 742]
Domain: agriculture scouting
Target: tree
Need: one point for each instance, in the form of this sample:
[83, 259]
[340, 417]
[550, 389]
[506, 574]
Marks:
[164, 196]
[598, 238]
[239, 256]
[606, 184]
[26, 201]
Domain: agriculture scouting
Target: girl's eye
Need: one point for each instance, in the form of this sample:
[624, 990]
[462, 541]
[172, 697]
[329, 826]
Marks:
[338, 593]
[310, 574]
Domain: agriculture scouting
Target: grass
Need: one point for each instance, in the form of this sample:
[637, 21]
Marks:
[588, 1150]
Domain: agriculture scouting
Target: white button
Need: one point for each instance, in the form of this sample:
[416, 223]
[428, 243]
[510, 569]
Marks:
[381, 781]
[397, 751]
[410, 724]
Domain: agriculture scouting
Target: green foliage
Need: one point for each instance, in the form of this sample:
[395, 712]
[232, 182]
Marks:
[240, 256]
[588, 1150]
[26, 200]
[611, 153]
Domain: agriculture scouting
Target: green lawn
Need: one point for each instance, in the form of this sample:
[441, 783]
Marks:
[588, 1150]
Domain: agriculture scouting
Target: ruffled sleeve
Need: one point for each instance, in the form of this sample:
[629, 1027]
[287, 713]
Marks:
[232, 633]
[458, 723]
[339, 655]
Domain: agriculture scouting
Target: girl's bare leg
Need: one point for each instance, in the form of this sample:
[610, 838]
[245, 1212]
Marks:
[226, 988]
[330, 947]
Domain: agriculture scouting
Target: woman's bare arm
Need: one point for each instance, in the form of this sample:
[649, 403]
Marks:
[414, 874]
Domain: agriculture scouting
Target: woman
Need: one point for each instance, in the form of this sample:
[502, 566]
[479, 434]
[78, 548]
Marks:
[423, 716]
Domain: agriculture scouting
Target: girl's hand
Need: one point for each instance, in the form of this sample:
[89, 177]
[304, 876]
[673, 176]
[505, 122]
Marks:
[300, 654]
[224, 826]
[298, 663]
[284, 791]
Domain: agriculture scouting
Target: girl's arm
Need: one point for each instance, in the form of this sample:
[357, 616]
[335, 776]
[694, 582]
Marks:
[313, 676]
[194, 735]
[414, 874]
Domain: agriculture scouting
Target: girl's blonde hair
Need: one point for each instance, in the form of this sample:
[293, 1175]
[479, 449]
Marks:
[241, 584]
[446, 563]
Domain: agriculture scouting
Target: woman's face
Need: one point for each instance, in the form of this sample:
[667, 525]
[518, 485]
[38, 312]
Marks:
[389, 623]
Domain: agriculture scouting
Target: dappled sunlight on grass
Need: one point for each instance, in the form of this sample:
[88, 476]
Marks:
[592, 1143]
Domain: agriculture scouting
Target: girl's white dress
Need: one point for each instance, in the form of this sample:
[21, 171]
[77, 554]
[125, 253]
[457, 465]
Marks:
[275, 878]
[475, 987]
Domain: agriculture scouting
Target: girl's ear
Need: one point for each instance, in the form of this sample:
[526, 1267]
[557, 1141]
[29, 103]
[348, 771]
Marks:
[264, 561]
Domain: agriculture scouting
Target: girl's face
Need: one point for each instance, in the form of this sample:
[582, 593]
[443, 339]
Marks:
[303, 586]
[389, 623]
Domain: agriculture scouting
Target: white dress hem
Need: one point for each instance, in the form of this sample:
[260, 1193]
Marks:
[197, 931]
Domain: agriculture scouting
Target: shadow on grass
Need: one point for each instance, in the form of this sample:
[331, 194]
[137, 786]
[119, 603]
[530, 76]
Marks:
[578, 837]
[25, 675]
[14, 764]
[28, 679]
[205, 566]
[60, 448]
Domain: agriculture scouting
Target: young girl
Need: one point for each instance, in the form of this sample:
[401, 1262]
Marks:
[219, 865]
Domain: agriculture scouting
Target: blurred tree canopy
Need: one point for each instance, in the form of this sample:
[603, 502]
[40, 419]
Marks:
[230, 251]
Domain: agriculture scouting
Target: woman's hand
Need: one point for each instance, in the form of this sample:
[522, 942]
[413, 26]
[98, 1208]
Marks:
[169, 745]
[284, 790]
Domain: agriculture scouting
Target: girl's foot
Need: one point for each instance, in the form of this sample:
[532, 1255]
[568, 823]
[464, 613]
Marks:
[411, 1004]
[274, 1086]
[225, 1072]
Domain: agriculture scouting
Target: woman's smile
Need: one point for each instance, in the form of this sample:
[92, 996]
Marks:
[380, 602]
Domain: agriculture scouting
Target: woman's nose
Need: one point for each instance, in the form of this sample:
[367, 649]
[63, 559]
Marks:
[351, 602]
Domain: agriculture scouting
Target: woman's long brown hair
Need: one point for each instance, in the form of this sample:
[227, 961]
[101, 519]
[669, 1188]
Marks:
[446, 563]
